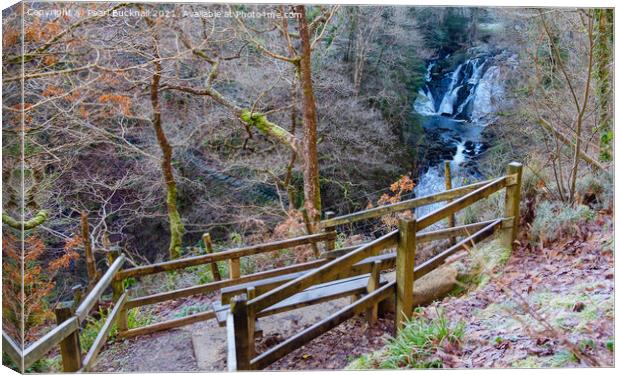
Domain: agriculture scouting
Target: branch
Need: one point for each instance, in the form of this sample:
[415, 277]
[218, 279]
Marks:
[253, 119]
[37, 220]
[571, 143]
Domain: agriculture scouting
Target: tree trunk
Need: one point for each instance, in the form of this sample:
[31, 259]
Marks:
[309, 154]
[176, 225]
[603, 50]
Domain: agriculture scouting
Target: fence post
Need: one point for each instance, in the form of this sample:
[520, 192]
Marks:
[206, 239]
[91, 268]
[118, 288]
[70, 350]
[234, 268]
[309, 231]
[405, 262]
[243, 335]
[374, 282]
[512, 203]
[251, 294]
[330, 244]
[448, 182]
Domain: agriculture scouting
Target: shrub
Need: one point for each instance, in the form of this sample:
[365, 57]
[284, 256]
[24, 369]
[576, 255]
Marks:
[555, 220]
[596, 191]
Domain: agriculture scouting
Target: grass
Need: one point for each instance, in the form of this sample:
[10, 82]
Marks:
[415, 345]
[135, 319]
[562, 358]
[556, 220]
[561, 307]
[486, 209]
[485, 261]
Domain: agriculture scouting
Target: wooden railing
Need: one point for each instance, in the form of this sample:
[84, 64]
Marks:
[233, 258]
[245, 308]
[66, 333]
[348, 262]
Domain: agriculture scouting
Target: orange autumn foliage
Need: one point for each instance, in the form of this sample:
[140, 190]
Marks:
[32, 308]
[397, 189]
[41, 32]
[9, 38]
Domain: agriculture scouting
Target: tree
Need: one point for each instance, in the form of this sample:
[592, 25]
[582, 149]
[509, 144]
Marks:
[312, 187]
[603, 75]
[563, 56]
[174, 218]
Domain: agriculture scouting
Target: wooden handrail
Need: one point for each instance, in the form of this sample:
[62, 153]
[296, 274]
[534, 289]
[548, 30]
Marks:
[224, 255]
[323, 273]
[10, 347]
[438, 259]
[43, 345]
[217, 285]
[435, 235]
[102, 336]
[465, 201]
[168, 324]
[91, 299]
[265, 359]
[404, 205]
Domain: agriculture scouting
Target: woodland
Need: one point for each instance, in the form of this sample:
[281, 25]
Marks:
[165, 132]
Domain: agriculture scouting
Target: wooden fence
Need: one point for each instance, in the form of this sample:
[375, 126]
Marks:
[335, 264]
[233, 258]
[245, 309]
[66, 333]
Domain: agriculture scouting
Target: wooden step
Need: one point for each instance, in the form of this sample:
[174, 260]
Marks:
[311, 296]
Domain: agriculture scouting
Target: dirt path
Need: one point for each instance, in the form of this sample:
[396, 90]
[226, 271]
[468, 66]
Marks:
[168, 351]
[209, 340]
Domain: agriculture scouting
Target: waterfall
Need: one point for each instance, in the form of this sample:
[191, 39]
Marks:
[447, 103]
[425, 102]
[488, 93]
[455, 106]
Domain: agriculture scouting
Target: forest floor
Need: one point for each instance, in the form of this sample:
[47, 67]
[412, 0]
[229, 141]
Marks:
[547, 307]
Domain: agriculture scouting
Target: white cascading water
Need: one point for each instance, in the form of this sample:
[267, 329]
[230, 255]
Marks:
[447, 103]
[488, 93]
[425, 103]
[460, 117]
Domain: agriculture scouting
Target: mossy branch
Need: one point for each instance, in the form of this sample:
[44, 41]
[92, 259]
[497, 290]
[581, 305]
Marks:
[268, 128]
[37, 220]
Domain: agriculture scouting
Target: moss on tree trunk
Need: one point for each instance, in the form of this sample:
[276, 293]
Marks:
[602, 76]
[174, 218]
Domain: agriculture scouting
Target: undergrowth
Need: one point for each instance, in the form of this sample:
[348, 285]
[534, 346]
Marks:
[415, 345]
[135, 319]
[555, 219]
[484, 262]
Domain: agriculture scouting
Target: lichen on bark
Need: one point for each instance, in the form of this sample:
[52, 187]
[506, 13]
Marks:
[177, 229]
